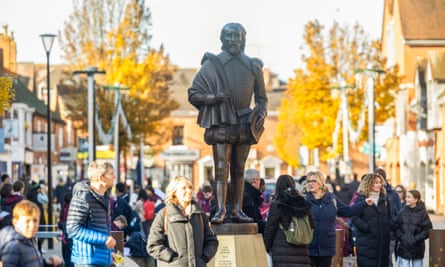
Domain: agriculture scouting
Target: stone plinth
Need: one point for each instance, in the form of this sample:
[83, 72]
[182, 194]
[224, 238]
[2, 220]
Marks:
[239, 246]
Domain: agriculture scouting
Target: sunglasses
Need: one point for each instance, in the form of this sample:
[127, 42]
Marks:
[311, 181]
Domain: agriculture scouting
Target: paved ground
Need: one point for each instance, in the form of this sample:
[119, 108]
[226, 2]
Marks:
[438, 223]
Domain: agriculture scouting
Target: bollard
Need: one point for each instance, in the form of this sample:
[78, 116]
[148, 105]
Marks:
[437, 247]
[337, 260]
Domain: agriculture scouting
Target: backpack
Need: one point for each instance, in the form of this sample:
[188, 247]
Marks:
[299, 231]
[138, 245]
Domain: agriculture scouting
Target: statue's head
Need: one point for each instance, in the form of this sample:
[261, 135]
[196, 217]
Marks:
[233, 38]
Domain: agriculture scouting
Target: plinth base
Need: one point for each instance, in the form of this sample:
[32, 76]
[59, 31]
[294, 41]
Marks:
[235, 228]
[239, 249]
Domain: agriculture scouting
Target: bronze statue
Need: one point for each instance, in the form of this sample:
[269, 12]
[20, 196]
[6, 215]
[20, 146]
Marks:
[222, 91]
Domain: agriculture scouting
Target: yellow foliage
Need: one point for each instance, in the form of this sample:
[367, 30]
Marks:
[113, 35]
[312, 100]
[6, 93]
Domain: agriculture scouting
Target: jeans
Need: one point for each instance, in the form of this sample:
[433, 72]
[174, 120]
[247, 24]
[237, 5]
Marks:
[392, 246]
[401, 262]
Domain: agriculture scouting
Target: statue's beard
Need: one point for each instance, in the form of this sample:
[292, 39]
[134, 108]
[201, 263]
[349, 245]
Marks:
[232, 49]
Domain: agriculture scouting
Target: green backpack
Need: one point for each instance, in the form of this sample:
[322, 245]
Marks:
[299, 231]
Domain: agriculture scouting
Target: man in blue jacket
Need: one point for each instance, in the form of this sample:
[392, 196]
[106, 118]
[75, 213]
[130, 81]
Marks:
[88, 222]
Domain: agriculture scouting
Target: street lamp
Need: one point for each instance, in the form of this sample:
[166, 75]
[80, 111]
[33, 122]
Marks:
[371, 73]
[90, 72]
[48, 40]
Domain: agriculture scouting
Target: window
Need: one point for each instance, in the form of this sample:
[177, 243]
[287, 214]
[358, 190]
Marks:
[61, 137]
[178, 135]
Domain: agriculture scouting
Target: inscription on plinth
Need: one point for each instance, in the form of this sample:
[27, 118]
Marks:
[239, 246]
[226, 256]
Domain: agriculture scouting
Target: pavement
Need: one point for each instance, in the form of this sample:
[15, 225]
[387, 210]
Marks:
[437, 219]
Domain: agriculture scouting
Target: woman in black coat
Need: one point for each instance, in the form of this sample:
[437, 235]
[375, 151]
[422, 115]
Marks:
[373, 224]
[411, 229]
[286, 203]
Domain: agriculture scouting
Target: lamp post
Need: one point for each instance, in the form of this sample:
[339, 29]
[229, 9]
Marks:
[48, 40]
[372, 73]
[90, 72]
[117, 88]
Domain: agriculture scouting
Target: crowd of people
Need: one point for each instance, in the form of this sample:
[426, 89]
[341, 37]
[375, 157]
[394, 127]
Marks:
[385, 225]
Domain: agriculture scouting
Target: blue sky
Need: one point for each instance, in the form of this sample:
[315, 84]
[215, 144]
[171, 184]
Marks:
[190, 28]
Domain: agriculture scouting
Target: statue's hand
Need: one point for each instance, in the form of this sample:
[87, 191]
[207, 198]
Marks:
[260, 122]
[222, 97]
[212, 99]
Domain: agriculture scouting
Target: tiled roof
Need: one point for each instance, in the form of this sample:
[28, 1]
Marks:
[23, 95]
[422, 20]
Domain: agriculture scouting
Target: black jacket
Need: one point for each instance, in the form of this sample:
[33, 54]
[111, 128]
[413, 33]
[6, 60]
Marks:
[373, 225]
[281, 212]
[411, 228]
[16, 250]
[251, 205]
[189, 241]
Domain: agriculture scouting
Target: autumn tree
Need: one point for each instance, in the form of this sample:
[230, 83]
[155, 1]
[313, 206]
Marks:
[313, 96]
[7, 93]
[113, 35]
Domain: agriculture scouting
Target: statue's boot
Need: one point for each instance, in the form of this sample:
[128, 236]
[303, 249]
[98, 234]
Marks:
[221, 196]
[236, 198]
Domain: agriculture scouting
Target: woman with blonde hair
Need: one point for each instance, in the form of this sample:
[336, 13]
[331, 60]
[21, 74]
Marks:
[325, 207]
[180, 234]
[373, 223]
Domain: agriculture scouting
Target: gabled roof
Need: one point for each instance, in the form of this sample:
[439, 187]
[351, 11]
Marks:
[422, 19]
[23, 95]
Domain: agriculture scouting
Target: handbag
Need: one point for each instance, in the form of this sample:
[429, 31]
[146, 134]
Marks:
[299, 231]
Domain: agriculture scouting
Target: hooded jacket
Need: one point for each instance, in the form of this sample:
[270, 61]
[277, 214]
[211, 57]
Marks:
[88, 224]
[372, 233]
[411, 228]
[16, 250]
[281, 211]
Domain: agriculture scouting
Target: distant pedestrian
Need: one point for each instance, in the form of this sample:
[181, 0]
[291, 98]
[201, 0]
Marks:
[252, 199]
[10, 201]
[5, 178]
[205, 197]
[412, 229]
[401, 191]
[67, 242]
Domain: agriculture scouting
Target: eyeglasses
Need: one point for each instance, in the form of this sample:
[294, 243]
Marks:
[311, 181]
